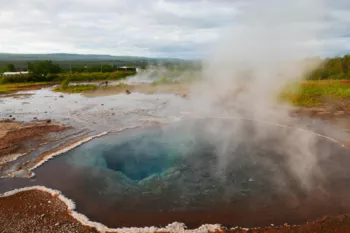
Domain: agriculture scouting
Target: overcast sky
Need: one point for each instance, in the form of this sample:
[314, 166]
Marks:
[154, 28]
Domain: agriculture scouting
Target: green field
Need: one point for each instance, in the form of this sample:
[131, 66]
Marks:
[315, 93]
[10, 88]
[75, 88]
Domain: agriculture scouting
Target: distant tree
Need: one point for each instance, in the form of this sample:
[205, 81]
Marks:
[332, 68]
[92, 69]
[10, 68]
[43, 68]
[346, 63]
[107, 68]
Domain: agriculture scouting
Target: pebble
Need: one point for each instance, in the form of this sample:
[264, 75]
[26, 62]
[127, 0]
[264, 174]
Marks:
[339, 113]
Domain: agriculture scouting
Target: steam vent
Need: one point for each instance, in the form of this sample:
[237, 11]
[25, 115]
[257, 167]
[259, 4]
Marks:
[209, 171]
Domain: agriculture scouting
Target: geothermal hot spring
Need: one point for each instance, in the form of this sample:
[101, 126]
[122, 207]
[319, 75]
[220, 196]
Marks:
[183, 172]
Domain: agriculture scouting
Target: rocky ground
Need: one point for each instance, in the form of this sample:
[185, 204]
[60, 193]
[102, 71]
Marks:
[339, 224]
[39, 211]
[18, 138]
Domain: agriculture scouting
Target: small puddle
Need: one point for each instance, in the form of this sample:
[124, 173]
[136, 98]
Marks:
[184, 172]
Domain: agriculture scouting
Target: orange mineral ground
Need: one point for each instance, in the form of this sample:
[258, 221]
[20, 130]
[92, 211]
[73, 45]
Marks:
[40, 211]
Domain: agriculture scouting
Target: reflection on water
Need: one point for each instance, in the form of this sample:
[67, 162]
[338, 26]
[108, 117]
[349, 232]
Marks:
[158, 175]
[99, 113]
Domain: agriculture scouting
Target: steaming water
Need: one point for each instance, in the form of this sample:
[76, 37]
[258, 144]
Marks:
[158, 175]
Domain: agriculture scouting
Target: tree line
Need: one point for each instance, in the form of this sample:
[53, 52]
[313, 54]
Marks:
[47, 71]
[332, 68]
[48, 67]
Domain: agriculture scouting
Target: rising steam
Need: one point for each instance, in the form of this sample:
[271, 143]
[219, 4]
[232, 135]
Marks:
[266, 50]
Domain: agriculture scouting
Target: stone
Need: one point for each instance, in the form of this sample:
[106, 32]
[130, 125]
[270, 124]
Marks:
[127, 92]
[339, 113]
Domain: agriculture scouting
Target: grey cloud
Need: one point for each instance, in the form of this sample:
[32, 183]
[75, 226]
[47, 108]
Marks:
[169, 28]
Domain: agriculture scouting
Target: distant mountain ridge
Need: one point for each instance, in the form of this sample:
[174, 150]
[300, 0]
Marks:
[71, 57]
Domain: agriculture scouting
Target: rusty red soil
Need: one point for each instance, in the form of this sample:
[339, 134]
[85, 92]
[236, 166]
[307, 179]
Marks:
[39, 211]
[16, 137]
[339, 224]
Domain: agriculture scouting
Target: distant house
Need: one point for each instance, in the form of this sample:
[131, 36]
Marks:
[15, 73]
[127, 68]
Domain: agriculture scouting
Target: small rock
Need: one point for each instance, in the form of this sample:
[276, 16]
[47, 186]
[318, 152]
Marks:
[13, 118]
[102, 104]
[10, 116]
[113, 114]
[127, 92]
[35, 118]
[251, 180]
[48, 121]
[61, 96]
[339, 113]
[57, 224]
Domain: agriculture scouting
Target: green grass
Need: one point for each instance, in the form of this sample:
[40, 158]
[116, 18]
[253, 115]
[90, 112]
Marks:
[14, 87]
[315, 93]
[79, 77]
[75, 88]
[87, 87]
[74, 77]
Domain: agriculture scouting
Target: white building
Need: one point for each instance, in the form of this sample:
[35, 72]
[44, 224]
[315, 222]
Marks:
[15, 73]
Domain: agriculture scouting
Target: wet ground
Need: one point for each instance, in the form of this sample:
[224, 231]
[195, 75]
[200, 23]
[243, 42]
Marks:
[87, 116]
[99, 113]
[184, 179]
